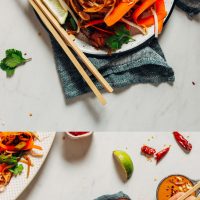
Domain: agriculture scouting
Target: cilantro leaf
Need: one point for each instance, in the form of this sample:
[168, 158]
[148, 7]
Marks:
[122, 36]
[10, 160]
[13, 59]
[16, 170]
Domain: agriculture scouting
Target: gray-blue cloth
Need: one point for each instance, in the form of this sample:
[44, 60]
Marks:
[147, 65]
[117, 196]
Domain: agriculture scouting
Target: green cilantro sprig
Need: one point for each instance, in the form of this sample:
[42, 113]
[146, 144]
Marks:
[121, 36]
[13, 59]
[10, 160]
[17, 170]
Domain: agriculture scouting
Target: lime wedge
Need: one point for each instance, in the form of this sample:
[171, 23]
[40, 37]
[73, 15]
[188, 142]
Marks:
[125, 163]
[57, 10]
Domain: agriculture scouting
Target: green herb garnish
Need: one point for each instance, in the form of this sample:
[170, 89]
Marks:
[10, 160]
[73, 23]
[13, 59]
[122, 36]
[16, 170]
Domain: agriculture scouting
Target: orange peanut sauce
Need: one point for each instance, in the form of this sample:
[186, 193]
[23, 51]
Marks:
[172, 185]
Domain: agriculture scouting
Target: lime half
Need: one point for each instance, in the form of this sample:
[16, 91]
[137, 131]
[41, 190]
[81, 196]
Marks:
[57, 10]
[125, 163]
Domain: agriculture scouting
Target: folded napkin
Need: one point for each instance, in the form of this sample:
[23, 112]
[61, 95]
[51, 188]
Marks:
[118, 196]
[147, 65]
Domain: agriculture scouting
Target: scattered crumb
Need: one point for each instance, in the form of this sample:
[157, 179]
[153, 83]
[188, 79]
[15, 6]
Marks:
[30, 114]
[149, 159]
[188, 136]
[149, 140]
[193, 83]
[126, 148]
[25, 54]
[152, 137]
[155, 179]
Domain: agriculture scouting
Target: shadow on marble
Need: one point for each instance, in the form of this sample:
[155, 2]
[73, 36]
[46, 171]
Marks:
[75, 150]
[30, 15]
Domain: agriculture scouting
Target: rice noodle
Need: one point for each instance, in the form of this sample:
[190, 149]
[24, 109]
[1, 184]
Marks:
[156, 22]
[142, 30]
[67, 8]
[112, 8]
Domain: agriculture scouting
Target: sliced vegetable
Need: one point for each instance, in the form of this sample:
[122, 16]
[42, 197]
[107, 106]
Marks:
[118, 12]
[144, 6]
[132, 24]
[155, 22]
[67, 8]
[149, 21]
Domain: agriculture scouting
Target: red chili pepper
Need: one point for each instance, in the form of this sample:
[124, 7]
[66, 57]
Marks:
[182, 141]
[148, 150]
[162, 153]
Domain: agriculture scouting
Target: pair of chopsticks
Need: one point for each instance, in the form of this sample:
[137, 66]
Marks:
[64, 39]
[189, 192]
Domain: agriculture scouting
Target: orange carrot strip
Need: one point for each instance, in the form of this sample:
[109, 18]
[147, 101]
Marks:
[160, 26]
[145, 5]
[160, 11]
[36, 147]
[119, 11]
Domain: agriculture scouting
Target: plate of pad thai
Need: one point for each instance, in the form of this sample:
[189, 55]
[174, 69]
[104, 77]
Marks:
[21, 156]
[104, 27]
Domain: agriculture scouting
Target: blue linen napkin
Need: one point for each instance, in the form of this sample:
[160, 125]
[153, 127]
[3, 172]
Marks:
[117, 196]
[147, 65]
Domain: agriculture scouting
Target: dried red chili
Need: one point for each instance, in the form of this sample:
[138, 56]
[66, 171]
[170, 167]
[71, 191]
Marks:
[161, 154]
[148, 150]
[182, 141]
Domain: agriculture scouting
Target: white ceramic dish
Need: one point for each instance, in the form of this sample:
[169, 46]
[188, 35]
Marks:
[18, 184]
[80, 136]
[138, 39]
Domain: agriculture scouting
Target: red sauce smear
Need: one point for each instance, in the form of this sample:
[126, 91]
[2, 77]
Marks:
[75, 133]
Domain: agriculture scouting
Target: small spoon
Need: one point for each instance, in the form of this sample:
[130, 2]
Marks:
[194, 182]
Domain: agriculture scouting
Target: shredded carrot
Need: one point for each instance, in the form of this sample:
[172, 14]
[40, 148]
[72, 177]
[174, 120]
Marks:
[28, 164]
[118, 12]
[149, 21]
[36, 147]
[144, 6]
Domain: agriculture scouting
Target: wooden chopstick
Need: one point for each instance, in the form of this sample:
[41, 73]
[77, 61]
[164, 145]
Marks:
[189, 192]
[72, 44]
[68, 52]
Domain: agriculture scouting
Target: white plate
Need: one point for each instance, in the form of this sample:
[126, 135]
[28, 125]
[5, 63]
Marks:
[18, 184]
[138, 39]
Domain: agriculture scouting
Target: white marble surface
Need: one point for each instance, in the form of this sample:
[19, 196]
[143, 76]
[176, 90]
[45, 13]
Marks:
[36, 89]
[84, 170]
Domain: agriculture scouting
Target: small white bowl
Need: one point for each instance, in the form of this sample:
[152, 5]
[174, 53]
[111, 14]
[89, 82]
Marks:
[79, 136]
